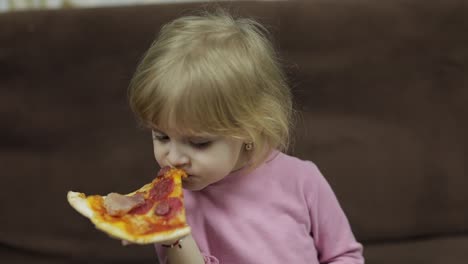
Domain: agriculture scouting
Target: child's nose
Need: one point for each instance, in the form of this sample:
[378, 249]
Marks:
[176, 157]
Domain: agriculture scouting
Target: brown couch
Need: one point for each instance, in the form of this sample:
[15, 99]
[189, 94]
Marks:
[382, 86]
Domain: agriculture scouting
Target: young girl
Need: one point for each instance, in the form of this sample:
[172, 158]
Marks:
[211, 90]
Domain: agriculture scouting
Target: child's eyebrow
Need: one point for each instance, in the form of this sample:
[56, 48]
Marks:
[157, 131]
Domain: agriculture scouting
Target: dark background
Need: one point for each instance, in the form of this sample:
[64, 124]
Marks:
[381, 85]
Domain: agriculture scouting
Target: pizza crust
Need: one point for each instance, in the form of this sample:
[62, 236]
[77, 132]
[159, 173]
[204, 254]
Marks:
[118, 233]
[79, 203]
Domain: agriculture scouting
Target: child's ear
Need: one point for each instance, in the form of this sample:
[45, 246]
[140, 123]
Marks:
[248, 146]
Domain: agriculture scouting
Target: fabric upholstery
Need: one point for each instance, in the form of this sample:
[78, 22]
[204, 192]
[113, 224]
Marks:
[381, 87]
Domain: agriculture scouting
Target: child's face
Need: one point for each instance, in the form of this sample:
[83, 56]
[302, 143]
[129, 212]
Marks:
[206, 158]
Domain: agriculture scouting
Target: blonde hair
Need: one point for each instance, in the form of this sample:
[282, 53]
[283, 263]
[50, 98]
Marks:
[215, 74]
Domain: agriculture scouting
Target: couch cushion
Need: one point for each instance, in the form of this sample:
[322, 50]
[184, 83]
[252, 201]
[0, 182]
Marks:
[419, 251]
[66, 126]
[382, 87]
[19, 256]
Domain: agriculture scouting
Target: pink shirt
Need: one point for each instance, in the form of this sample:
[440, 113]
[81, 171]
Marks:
[282, 212]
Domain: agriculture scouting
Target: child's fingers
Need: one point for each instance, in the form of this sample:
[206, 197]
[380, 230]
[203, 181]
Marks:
[125, 243]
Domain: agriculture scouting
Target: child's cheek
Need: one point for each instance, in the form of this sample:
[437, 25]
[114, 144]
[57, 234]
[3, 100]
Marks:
[157, 154]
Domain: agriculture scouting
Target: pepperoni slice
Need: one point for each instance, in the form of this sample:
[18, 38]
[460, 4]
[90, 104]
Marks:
[144, 208]
[162, 189]
[162, 209]
[168, 207]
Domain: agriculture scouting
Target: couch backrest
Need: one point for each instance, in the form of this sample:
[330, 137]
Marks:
[382, 86]
[384, 89]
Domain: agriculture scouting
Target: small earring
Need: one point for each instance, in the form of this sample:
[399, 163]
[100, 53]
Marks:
[249, 146]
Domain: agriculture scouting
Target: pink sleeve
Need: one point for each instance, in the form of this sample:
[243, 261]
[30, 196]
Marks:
[331, 230]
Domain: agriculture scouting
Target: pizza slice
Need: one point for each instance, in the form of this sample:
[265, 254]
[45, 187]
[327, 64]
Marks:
[154, 213]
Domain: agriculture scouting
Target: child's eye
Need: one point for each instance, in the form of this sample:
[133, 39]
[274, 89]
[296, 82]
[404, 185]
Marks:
[160, 138]
[200, 144]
